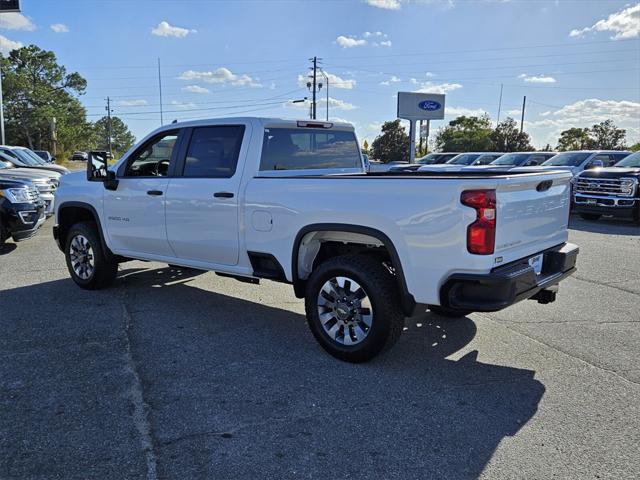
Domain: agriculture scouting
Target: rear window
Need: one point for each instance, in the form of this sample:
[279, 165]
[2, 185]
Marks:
[567, 159]
[308, 149]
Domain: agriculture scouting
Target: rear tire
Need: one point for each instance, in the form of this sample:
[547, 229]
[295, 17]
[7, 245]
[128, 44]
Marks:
[353, 307]
[590, 216]
[449, 312]
[89, 265]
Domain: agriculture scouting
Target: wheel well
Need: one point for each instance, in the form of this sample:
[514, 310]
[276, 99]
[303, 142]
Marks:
[312, 247]
[70, 214]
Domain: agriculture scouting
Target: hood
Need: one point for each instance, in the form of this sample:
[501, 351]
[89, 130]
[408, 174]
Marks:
[440, 167]
[52, 168]
[34, 173]
[611, 172]
[11, 183]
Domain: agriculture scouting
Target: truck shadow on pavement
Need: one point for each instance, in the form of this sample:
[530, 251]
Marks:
[605, 225]
[234, 388]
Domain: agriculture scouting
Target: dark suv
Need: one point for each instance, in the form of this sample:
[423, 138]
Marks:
[21, 210]
[610, 191]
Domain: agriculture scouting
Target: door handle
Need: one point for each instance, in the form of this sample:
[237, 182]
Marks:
[154, 193]
[223, 195]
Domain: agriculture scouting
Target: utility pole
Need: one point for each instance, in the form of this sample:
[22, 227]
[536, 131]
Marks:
[108, 108]
[54, 137]
[160, 90]
[524, 102]
[315, 67]
[499, 105]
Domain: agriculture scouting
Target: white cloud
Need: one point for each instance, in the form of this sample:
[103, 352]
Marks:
[385, 4]
[623, 24]
[334, 81]
[430, 74]
[514, 113]
[7, 45]
[165, 30]
[537, 78]
[59, 28]
[178, 104]
[585, 113]
[16, 21]
[392, 79]
[467, 112]
[220, 75]
[431, 87]
[378, 39]
[132, 103]
[195, 89]
[334, 103]
[350, 42]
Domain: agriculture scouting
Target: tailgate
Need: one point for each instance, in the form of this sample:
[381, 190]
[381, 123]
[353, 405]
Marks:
[532, 214]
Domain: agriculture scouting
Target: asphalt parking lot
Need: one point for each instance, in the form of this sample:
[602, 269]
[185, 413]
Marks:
[180, 374]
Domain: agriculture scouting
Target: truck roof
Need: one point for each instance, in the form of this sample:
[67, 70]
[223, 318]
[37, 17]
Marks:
[273, 122]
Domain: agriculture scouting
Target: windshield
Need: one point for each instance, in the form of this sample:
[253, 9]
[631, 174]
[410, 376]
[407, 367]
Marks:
[4, 165]
[36, 158]
[25, 158]
[511, 159]
[464, 159]
[567, 159]
[428, 159]
[632, 160]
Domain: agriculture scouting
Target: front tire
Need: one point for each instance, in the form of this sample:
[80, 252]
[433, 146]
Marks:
[89, 265]
[353, 307]
[590, 216]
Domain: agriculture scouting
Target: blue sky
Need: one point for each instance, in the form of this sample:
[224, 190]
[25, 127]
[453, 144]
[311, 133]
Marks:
[577, 61]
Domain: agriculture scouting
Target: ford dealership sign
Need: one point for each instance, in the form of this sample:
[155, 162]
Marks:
[420, 106]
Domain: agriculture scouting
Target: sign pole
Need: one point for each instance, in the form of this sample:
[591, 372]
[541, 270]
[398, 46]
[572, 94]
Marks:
[412, 141]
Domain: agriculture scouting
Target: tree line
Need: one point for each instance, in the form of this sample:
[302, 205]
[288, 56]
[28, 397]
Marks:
[37, 89]
[476, 134]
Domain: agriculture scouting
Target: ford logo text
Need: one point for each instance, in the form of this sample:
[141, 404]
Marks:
[429, 105]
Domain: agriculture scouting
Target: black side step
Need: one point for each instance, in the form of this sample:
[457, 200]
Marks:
[240, 278]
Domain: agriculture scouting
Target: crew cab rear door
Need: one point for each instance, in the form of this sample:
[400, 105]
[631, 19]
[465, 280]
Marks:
[202, 198]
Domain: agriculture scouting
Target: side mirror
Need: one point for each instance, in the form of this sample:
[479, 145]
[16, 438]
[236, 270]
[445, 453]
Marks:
[595, 164]
[98, 170]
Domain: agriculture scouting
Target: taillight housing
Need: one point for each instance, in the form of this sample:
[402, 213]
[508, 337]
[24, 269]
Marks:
[481, 234]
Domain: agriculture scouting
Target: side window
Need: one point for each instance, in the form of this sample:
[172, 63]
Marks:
[305, 149]
[152, 159]
[606, 161]
[535, 160]
[213, 151]
[616, 157]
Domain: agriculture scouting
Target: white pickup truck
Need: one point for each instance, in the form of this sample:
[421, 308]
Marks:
[259, 198]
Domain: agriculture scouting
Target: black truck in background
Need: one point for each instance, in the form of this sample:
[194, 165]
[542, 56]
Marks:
[610, 191]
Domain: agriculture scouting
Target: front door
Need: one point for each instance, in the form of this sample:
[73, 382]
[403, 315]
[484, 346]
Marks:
[202, 198]
[135, 211]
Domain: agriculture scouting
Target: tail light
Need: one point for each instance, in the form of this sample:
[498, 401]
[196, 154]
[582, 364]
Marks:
[481, 234]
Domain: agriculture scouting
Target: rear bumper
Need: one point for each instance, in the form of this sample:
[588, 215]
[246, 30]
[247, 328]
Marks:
[509, 284]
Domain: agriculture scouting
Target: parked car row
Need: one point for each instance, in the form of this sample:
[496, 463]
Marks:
[605, 182]
[27, 191]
